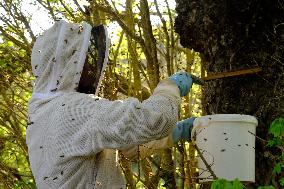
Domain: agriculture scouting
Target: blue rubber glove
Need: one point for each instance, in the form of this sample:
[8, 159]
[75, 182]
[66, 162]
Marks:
[183, 81]
[183, 130]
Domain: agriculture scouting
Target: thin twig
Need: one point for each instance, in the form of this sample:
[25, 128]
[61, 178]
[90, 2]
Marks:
[67, 9]
[79, 7]
[205, 162]
[261, 139]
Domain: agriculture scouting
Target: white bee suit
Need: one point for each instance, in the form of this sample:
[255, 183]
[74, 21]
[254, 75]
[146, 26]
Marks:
[72, 137]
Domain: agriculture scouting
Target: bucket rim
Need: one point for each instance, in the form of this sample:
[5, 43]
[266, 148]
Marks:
[229, 117]
[205, 121]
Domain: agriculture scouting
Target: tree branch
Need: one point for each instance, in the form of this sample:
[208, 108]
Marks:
[165, 29]
[127, 30]
[24, 20]
[15, 41]
[48, 8]
[205, 162]
[67, 9]
[79, 7]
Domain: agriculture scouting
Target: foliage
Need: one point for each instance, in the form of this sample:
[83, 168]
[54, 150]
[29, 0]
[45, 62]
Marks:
[266, 187]
[224, 184]
[236, 184]
[277, 130]
[14, 93]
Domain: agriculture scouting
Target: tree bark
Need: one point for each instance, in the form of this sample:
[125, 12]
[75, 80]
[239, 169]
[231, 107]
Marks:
[150, 45]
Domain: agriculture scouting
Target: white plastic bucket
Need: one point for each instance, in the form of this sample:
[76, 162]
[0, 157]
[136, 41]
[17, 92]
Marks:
[227, 142]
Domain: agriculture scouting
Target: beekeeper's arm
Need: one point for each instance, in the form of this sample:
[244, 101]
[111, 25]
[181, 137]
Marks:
[125, 124]
[182, 131]
[146, 150]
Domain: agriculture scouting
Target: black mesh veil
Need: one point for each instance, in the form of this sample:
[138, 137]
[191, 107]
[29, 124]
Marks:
[96, 57]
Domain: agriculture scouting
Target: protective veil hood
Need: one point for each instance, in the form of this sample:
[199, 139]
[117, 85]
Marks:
[58, 58]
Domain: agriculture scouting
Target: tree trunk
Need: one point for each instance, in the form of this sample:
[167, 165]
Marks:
[233, 35]
[133, 56]
[150, 45]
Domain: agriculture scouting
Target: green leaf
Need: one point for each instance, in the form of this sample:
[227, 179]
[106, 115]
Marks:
[265, 187]
[214, 185]
[10, 43]
[277, 168]
[277, 127]
[281, 181]
[218, 184]
[224, 184]
[274, 142]
[2, 63]
[228, 185]
[237, 184]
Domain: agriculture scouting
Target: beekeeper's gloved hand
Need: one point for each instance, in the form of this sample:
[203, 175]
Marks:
[182, 131]
[183, 81]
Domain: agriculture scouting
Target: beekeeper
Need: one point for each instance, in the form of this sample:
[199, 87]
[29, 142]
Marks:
[73, 135]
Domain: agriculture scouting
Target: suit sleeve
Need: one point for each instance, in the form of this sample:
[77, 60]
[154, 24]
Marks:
[125, 124]
[146, 150]
[94, 124]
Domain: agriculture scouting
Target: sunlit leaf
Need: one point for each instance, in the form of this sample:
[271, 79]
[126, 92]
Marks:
[277, 168]
[281, 181]
[277, 127]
